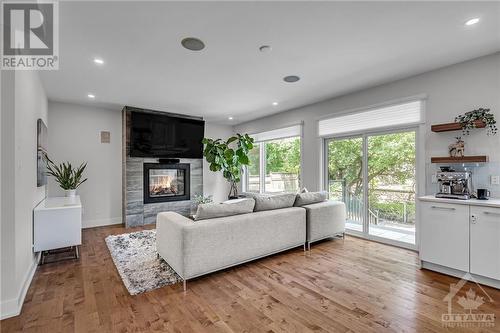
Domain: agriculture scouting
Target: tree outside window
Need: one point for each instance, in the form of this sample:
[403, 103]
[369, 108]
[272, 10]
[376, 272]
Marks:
[282, 161]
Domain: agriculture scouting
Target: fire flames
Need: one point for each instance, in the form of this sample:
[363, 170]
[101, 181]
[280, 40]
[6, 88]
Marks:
[162, 185]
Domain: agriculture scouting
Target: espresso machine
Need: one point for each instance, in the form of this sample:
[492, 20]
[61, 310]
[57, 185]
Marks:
[454, 184]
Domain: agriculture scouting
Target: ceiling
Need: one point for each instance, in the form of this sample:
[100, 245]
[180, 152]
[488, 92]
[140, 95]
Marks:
[335, 47]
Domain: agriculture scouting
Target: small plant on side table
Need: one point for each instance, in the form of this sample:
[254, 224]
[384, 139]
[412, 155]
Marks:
[68, 177]
[198, 200]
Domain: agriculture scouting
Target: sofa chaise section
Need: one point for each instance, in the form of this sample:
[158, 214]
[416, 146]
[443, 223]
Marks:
[324, 220]
[195, 248]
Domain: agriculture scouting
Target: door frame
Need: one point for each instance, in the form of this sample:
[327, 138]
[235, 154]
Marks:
[419, 181]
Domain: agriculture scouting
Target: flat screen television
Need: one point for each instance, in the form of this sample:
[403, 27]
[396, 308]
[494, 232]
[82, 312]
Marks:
[163, 136]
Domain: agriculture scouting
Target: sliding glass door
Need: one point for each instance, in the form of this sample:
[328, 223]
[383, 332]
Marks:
[345, 178]
[391, 186]
[374, 175]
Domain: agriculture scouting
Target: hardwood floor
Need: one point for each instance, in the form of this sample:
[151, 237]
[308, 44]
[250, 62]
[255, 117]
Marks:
[342, 286]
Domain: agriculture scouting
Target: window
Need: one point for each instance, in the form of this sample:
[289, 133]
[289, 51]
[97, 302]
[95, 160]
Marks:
[370, 165]
[282, 165]
[253, 170]
[275, 161]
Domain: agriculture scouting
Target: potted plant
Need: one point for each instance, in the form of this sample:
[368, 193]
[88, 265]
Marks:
[228, 156]
[68, 177]
[475, 118]
[198, 200]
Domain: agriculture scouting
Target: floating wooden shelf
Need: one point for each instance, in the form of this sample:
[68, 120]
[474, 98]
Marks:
[454, 126]
[465, 159]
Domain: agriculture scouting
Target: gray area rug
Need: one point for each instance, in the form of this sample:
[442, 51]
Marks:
[134, 255]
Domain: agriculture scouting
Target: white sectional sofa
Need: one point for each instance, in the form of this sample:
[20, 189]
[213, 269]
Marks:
[194, 248]
[214, 242]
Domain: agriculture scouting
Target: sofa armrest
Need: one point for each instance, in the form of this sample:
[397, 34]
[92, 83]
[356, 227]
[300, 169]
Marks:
[170, 238]
[325, 219]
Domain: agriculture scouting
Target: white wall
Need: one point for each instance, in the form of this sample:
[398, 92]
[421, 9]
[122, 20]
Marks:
[23, 102]
[74, 136]
[213, 182]
[8, 294]
[450, 91]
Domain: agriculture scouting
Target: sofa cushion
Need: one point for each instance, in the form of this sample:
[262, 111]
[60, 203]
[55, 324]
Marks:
[227, 208]
[308, 198]
[273, 201]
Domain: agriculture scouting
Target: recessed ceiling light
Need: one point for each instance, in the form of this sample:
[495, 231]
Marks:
[230, 118]
[193, 44]
[265, 48]
[91, 96]
[291, 78]
[472, 21]
[275, 103]
[98, 61]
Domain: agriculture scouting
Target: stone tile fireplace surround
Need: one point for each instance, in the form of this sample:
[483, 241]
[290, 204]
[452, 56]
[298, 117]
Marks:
[135, 211]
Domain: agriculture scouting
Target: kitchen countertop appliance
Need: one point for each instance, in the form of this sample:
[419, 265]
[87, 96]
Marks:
[454, 184]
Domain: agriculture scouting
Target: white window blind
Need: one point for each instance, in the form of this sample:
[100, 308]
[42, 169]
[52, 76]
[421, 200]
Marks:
[280, 133]
[388, 116]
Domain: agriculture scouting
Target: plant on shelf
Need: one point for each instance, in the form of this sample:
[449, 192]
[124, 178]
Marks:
[68, 177]
[228, 156]
[469, 120]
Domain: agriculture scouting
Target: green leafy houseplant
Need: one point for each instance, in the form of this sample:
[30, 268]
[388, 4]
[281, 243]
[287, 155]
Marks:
[229, 157]
[68, 177]
[469, 119]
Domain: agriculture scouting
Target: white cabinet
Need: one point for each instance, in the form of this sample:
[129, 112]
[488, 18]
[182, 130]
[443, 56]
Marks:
[57, 223]
[444, 234]
[485, 241]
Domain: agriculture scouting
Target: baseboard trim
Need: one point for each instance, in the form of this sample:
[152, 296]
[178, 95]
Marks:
[460, 274]
[101, 222]
[13, 307]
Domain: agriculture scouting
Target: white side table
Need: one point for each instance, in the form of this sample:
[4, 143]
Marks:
[57, 223]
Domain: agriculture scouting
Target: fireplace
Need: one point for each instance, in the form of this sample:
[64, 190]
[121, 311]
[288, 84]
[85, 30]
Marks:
[166, 182]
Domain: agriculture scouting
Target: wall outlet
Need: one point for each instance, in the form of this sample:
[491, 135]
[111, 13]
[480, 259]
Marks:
[495, 180]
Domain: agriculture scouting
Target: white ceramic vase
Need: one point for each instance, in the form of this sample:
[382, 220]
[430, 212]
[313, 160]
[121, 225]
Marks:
[70, 193]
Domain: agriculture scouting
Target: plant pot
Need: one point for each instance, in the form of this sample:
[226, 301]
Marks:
[194, 208]
[70, 193]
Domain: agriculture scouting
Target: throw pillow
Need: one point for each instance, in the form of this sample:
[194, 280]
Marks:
[227, 208]
[310, 198]
[277, 201]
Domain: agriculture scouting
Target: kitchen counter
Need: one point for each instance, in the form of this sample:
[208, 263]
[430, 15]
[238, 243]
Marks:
[491, 202]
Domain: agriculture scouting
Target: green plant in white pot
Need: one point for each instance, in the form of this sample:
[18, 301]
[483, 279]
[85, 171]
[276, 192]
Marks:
[68, 177]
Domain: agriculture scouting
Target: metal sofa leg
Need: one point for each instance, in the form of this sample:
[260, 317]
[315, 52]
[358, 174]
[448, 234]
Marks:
[309, 246]
[184, 285]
